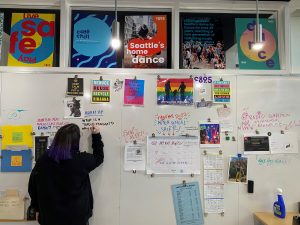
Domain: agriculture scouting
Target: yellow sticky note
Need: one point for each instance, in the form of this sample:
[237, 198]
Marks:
[16, 160]
[17, 135]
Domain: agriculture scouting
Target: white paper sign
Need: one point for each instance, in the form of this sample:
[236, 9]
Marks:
[173, 155]
[283, 143]
[134, 157]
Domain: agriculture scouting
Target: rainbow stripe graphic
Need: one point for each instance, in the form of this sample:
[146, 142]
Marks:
[173, 91]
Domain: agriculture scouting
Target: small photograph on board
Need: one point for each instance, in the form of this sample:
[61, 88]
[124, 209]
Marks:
[209, 134]
[175, 91]
[75, 86]
[221, 91]
[237, 169]
[256, 144]
[134, 92]
[100, 91]
[73, 107]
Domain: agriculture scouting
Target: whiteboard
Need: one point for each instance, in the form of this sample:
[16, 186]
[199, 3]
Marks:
[124, 198]
[268, 104]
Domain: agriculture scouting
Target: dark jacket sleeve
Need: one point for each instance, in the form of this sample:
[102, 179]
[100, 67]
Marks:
[32, 189]
[92, 161]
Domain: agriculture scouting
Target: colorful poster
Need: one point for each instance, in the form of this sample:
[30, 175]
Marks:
[177, 91]
[202, 43]
[91, 36]
[265, 58]
[134, 92]
[237, 169]
[221, 91]
[17, 135]
[75, 86]
[16, 161]
[73, 107]
[32, 39]
[1, 31]
[145, 41]
[100, 91]
[209, 134]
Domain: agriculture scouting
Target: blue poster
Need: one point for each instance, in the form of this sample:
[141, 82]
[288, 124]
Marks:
[187, 204]
[16, 161]
[91, 37]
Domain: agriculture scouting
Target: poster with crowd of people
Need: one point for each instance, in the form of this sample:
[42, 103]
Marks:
[202, 43]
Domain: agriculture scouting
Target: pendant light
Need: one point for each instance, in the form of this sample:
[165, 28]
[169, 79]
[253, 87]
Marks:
[258, 43]
[115, 41]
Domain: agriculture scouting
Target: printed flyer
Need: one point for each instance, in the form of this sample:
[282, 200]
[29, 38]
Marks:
[32, 39]
[75, 86]
[202, 43]
[266, 58]
[221, 91]
[175, 91]
[134, 92]
[100, 91]
[92, 35]
[145, 41]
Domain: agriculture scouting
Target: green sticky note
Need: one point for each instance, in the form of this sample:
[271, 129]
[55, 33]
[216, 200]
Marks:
[17, 137]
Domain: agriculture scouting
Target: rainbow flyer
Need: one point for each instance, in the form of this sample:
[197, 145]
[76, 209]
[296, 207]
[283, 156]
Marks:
[31, 40]
[265, 58]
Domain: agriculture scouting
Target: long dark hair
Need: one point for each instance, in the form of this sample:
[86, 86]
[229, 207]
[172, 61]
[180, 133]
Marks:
[65, 143]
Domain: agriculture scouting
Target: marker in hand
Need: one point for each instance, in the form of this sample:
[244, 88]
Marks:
[95, 129]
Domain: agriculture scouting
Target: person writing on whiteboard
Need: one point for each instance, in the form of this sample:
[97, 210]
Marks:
[59, 184]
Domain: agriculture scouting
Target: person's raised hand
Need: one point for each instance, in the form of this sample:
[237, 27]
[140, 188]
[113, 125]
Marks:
[95, 129]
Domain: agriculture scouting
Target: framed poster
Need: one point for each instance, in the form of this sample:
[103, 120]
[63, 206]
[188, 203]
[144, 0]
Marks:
[267, 57]
[32, 39]
[145, 41]
[201, 42]
[91, 37]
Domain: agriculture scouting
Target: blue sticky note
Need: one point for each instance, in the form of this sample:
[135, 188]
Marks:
[16, 161]
[187, 204]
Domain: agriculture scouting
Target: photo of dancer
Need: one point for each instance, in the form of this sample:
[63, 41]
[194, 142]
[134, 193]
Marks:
[237, 170]
[73, 107]
[209, 134]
